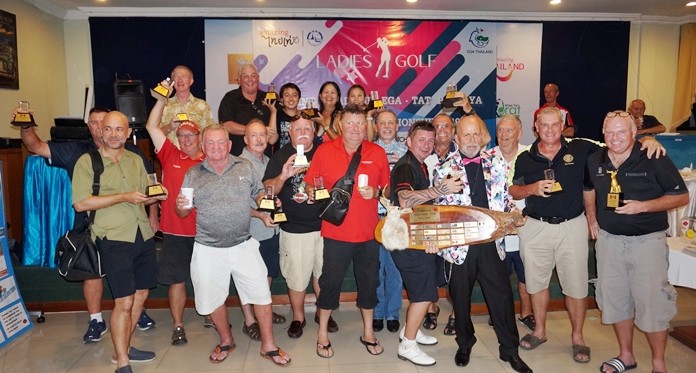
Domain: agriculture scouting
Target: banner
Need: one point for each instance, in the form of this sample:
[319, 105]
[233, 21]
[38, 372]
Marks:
[409, 63]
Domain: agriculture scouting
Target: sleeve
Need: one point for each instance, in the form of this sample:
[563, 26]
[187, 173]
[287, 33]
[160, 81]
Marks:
[61, 153]
[668, 176]
[83, 177]
[569, 119]
[402, 179]
[588, 184]
[384, 168]
[136, 150]
[274, 167]
[517, 177]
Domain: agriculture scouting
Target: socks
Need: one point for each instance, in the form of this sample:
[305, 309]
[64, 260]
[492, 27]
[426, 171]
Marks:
[96, 316]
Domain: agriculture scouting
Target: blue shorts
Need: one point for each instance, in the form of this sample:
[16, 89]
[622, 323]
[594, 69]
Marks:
[514, 263]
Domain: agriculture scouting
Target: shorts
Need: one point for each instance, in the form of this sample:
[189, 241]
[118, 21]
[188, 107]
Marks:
[418, 272]
[632, 280]
[211, 268]
[337, 257]
[301, 255]
[128, 266]
[513, 259]
[174, 260]
[544, 246]
[269, 253]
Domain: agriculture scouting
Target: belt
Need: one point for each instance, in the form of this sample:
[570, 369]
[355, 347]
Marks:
[551, 220]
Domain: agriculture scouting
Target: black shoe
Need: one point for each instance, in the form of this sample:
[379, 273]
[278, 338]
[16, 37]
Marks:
[333, 326]
[490, 321]
[393, 325]
[517, 364]
[295, 329]
[377, 325]
[462, 357]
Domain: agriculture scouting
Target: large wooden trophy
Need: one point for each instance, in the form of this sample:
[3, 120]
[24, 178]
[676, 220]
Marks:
[443, 226]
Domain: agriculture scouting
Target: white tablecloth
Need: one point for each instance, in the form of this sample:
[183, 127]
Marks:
[675, 216]
[682, 263]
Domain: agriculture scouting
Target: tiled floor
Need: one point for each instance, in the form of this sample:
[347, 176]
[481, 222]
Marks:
[56, 346]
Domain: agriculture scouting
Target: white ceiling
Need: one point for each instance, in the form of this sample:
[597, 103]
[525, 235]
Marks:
[667, 10]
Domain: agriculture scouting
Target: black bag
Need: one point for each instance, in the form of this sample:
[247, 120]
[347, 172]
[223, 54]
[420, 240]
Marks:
[77, 254]
[337, 207]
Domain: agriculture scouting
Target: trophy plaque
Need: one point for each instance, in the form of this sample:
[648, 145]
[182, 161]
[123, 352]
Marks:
[181, 117]
[549, 174]
[155, 189]
[23, 118]
[301, 159]
[309, 110]
[447, 226]
[450, 96]
[271, 94]
[279, 216]
[615, 197]
[161, 92]
[267, 203]
[320, 192]
[375, 102]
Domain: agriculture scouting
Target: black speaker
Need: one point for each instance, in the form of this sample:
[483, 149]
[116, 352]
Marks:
[130, 100]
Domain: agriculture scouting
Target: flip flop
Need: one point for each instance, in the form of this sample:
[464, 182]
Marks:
[279, 353]
[374, 345]
[218, 349]
[533, 341]
[326, 348]
[581, 350]
[618, 365]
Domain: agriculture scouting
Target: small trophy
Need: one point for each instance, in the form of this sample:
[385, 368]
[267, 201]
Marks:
[549, 174]
[155, 189]
[375, 102]
[271, 94]
[267, 203]
[279, 216]
[181, 117]
[309, 110]
[161, 92]
[615, 197]
[301, 159]
[23, 118]
[320, 192]
[450, 96]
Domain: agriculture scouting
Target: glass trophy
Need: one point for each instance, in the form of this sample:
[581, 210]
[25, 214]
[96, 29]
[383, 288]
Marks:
[375, 102]
[310, 110]
[23, 118]
[549, 174]
[271, 94]
[155, 189]
[161, 92]
[320, 192]
[301, 159]
[615, 197]
[450, 96]
[267, 203]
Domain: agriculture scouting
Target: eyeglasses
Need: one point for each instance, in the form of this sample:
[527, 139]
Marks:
[186, 135]
[617, 113]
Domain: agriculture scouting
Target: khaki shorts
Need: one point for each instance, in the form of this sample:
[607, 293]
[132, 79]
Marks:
[544, 246]
[211, 268]
[301, 255]
[632, 280]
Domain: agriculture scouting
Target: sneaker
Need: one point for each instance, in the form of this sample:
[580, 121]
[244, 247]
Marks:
[179, 336]
[145, 322]
[95, 331]
[208, 322]
[126, 369]
[409, 350]
[137, 356]
[421, 338]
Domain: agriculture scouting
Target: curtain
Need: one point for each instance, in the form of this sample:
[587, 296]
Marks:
[685, 91]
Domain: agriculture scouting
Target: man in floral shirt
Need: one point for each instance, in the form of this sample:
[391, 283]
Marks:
[485, 185]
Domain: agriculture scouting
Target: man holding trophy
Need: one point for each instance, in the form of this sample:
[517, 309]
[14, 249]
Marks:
[627, 199]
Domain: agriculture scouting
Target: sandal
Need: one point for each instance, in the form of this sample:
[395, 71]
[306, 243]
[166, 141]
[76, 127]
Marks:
[449, 328]
[376, 347]
[220, 349]
[618, 365]
[581, 350]
[278, 318]
[532, 340]
[528, 321]
[430, 320]
[279, 353]
[252, 331]
[325, 351]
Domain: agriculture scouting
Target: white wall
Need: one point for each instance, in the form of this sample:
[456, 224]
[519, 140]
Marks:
[78, 57]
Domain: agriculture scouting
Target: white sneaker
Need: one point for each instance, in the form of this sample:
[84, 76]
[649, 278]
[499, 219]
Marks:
[409, 350]
[421, 338]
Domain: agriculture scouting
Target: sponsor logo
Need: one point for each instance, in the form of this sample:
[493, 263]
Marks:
[279, 38]
[478, 39]
[502, 109]
[568, 158]
[506, 66]
[315, 37]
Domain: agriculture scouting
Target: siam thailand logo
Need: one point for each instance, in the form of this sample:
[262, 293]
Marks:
[477, 39]
[314, 37]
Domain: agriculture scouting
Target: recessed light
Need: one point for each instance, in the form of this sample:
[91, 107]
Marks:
[555, 2]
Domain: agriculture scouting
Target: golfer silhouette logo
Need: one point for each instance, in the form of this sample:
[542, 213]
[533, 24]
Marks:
[383, 44]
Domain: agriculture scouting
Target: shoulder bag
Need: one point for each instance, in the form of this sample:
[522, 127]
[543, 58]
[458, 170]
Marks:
[337, 207]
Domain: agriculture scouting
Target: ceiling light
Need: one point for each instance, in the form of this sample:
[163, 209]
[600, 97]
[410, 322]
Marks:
[691, 3]
[411, 1]
[555, 2]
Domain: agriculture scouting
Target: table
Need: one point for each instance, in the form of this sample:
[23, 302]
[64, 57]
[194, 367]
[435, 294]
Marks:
[675, 216]
[682, 272]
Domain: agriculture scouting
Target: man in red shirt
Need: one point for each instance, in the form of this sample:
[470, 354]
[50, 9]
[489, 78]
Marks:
[551, 93]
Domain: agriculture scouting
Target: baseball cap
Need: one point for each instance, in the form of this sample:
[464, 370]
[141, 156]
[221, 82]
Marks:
[193, 126]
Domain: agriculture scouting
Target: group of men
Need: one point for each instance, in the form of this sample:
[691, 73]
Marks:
[196, 154]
